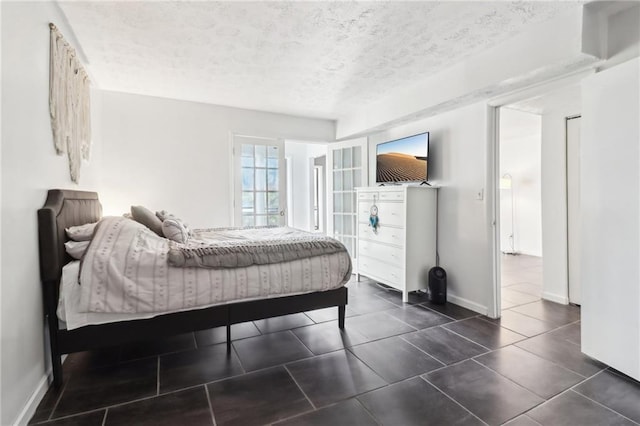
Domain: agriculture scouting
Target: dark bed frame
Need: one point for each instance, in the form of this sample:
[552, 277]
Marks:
[65, 208]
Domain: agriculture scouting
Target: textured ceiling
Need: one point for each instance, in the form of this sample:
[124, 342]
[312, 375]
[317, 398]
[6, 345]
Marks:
[319, 59]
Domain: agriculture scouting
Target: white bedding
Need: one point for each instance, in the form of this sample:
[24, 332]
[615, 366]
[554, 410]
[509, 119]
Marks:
[224, 281]
[126, 270]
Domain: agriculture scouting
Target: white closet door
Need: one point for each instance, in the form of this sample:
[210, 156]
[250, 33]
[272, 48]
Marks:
[347, 163]
[259, 181]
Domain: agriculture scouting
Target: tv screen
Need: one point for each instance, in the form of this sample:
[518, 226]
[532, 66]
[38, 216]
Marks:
[403, 160]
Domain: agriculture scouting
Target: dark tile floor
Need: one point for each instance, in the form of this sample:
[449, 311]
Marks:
[394, 364]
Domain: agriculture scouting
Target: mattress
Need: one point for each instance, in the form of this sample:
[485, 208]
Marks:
[254, 278]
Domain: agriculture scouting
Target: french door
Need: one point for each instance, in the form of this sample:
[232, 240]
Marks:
[259, 181]
[348, 168]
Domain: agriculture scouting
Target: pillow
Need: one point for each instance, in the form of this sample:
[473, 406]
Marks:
[81, 232]
[175, 230]
[76, 249]
[146, 217]
[164, 215]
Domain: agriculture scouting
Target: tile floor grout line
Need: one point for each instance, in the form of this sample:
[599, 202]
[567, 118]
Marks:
[423, 351]
[104, 418]
[519, 332]
[81, 413]
[366, 409]
[451, 398]
[602, 405]
[511, 380]
[233, 348]
[445, 315]
[213, 416]
[300, 387]
[300, 340]
[398, 319]
[55, 406]
[550, 360]
[466, 338]
[294, 416]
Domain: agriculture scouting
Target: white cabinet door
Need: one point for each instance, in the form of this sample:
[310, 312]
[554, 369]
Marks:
[347, 165]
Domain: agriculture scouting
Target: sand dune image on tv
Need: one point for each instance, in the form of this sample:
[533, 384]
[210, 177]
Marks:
[396, 167]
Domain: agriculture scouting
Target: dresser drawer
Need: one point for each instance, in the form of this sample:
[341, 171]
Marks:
[386, 234]
[367, 195]
[392, 196]
[384, 253]
[364, 211]
[375, 269]
[391, 213]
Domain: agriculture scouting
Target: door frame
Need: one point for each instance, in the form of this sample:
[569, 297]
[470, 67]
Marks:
[232, 175]
[493, 168]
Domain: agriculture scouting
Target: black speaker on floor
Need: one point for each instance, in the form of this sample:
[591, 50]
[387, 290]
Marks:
[437, 285]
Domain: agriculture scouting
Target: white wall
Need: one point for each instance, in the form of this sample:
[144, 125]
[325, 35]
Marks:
[610, 208]
[458, 152]
[520, 156]
[29, 167]
[301, 184]
[175, 155]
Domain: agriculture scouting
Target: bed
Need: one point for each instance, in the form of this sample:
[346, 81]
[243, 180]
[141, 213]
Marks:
[67, 208]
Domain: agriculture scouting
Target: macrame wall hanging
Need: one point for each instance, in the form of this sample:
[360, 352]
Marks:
[69, 103]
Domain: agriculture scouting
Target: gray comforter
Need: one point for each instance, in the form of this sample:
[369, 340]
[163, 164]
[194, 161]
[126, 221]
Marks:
[235, 247]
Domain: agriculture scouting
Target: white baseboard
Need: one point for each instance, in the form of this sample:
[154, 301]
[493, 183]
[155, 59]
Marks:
[555, 298]
[30, 407]
[466, 303]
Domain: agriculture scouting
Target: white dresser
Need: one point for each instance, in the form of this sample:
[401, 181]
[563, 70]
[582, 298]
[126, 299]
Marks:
[403, 249]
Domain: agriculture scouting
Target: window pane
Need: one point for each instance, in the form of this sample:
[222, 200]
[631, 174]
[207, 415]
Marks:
[261, 221]
[357, 156]
[274, 220]
[273, 200]
[247, 178]
[337, 202]
[337, 159]
[273, 152]
[247, 161]
[347, 182]
[247, 221]
[337, 181]
[357, 178]
[247, 202]
[261, 156]
[346, 202]
[337, 224]
[272, 163]
[347, 226]
[261, 179]
[272, 179]
[346, 158]
[247, 150]
[261, 202]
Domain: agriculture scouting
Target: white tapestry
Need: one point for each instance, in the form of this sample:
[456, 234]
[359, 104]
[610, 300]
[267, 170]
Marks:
[69, 103]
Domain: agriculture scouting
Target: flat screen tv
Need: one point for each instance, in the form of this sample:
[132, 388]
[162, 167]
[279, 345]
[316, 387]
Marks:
[403, 160]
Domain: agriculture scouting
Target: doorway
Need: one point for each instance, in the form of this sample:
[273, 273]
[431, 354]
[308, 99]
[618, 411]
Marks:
[520, 140]
[556, 104]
